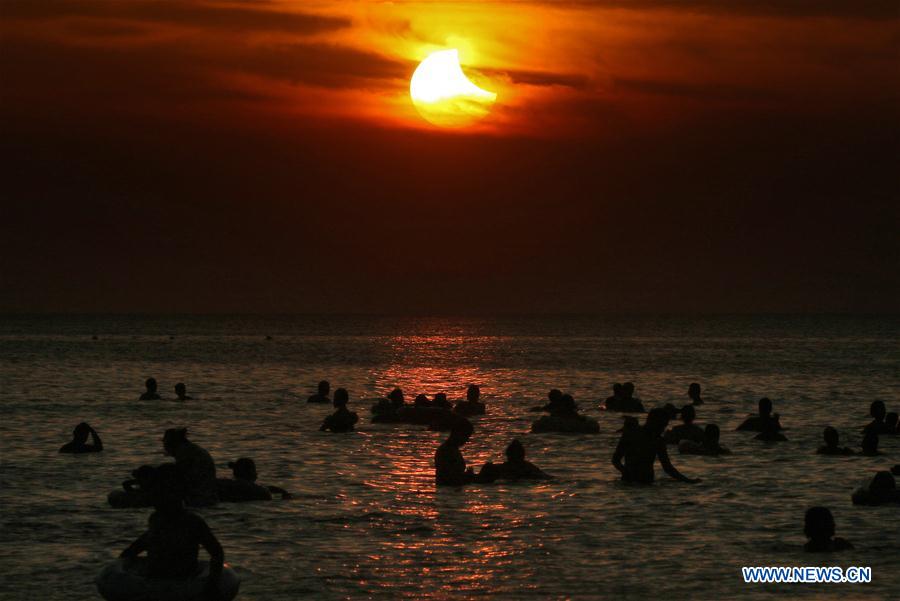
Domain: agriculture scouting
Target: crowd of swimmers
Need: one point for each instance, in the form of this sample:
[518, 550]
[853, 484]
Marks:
[175, 534]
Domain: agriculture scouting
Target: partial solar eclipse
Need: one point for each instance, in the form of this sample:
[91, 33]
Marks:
[443, 94]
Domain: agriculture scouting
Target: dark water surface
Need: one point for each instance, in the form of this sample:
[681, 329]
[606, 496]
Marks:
[367, 521]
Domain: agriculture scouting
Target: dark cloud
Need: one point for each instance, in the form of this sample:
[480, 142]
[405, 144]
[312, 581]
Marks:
[190, 13]
[862, 9]
[698, 91]
[542, 78]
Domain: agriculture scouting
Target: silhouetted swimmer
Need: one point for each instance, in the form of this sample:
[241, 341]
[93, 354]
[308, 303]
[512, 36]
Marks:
[386, 409]
[440, 400]
[181, 392]
[832, 444]
[613, 402]
[195, 466]
[449, 465]
[243, 486]
[151, 394]
[708, 446]
[553, 398]
[342, 420]
[623, 399]
[136, 491]
[870, 444]
[878, 412]
[694, 394]
[175, 535]
[770, 432]
[629, 424]
[565, 418]
[514, 468]
[818, 526]
[422, 400]
[79, 443]
[641, 447]
[890, 420]
[764, 421]
[472, 405]
[321, 395]
[687, 430]
[882, 490]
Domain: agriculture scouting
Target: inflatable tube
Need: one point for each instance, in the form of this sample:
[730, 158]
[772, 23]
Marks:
[121, 499]
[125, 581]
[567, 425]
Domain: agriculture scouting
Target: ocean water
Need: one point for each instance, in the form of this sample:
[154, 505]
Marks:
[366, 520]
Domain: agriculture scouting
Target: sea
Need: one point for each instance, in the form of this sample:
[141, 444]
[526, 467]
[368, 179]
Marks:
[366, 520]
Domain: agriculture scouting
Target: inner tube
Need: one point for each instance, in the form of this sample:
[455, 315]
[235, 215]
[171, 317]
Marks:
[126, 581]
[569, 425]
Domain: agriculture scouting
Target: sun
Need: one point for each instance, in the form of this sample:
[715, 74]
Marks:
[443, 94]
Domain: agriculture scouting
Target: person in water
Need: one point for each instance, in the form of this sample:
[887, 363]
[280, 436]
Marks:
[623, 399]
[709, 446]
[151, 394]
[694, 394]
[472, 405]
[181, 392]
[878, 412]
[764, 421]
[818, 526]
[449, 465]
[321, 395]
[422, 400]
[639, 448]
[613, 402]
[890, 420]
[870, 444]
[770, 432]
[174, 536]
[832, 444]
[440, 400]
[882, 490]
[514, 468]
[342, 420]
[79, 443]
[688, 430]
[243, 486]
[390, 405]
[553, 398]
[195, 465]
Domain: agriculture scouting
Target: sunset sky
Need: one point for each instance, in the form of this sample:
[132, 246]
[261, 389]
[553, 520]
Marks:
[642, 155]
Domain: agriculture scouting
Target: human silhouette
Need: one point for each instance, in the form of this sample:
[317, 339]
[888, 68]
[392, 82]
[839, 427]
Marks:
[890, 422]
[564, 417]
[195, 465]
[243, 487]
[150, 394]
[878, 425]
[174, 537]
[385, 410]
[514, 468]
[612, 403]
[818, 526]
[708, 446]
[79, 443]
[449, 465]
[553, 398]
[870, 444]
[472, 405]
[342, 420]
[694, 394]
[422, 400]
[770, 431]
[321, 395]
[765, 421]
[440, 400]
[832, 444]
[181, 392]
[623, 399]
[640, 447]
[135, 491]
[687, 430]
[882, 490]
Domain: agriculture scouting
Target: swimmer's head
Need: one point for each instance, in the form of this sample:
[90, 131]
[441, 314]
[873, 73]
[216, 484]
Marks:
[440, 399]
[818, 523]
[567, 403]
[473, 392]
[671, 409]
[711, 433]
[657, 420]
[877, 410]
[628, 389]
[396, 396]
[831, 436]
[173, 439]
[694, 390]
[461, 432]
[617, 389]
[421, 400]
[341, 397]
[765, 406]
[81, 432]
[882, 484]
[243, 469]
[554, 395]
[180, 389]
[324, 387]
[688, 414]
[891, 420]
[870, 443]
[515, 451]
[151, 384]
